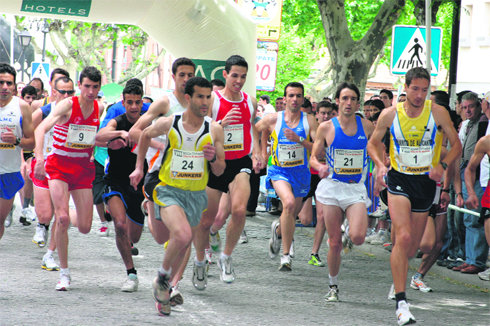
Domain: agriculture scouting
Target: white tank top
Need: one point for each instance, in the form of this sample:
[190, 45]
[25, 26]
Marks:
[11, 118]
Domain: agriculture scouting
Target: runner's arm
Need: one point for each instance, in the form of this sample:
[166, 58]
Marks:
[157, 109]
[219, 164]
[318, 149]
[109, 133]
[481, 148]
[27, 141]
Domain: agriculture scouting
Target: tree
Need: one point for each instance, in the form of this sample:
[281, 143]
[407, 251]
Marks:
[80, 44]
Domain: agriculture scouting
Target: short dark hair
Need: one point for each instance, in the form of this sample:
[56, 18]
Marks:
[387, 92]
[39, 80]
[148, 98]
[294, 85]
[265, 98]
[307, 104]
[441, 98]
[218, 82]
[29, 90]
[460, 95]
[368, 102]
[324, 104]
[59, 71]
[132, 88]
[379, 104]
[196, 81]
[183, 61]
[135, 81]
[335, 107]
[349, 86]
[5, 68]
[414, 73]
[63, 79]
[91, 73]
[471, 96]
[235, 60]
[279, 98]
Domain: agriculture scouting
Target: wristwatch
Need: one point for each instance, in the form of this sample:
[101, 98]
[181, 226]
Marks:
[17, 141]
[444, 165]
[301, 139]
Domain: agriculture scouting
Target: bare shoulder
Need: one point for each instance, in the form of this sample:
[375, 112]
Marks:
[439, 112]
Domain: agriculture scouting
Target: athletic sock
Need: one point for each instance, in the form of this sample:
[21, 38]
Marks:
[333, 279]
[223, 256]
[26, 202]
[163, 272]
[131, 271]
[400, 297]
[418, 275]
[199, 263]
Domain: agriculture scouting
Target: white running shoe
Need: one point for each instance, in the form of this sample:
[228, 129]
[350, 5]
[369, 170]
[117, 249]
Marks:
[208, 253]
[333, 294]
[215, 242]
[285, 263]
[200, 276]
[418, 283]
[403, 314]
[381, 237]
[227, 274]
[161, 294]
[274, 241]
[41, 236]
[63, 283]
[28, 213]
[391, 294]
[175, 296]
[485, 275]
[49, 263]
[243, 237]
[8, 220]
[104, 230]
[131, 283]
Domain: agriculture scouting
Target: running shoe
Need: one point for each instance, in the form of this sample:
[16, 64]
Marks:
[347, 244]
[243, 237]
[144, 206]
[227, 274]
[49, 263]
[388, 246]
[175, 296]
[131, 283]
[200, 276]
[274, 241]
[215, 242]
[134, 250]
[24, 221]
[391, 294]
[485, 275]
[291, 249]
[381, 237]
[41, 236]
[315, 261]
[104, 230]
[333, 294]
[64, 282]
[403, 314]
[29, 214]
[209, 256]
[285, 263]
[8, 220]
[161, 294]
[417, 283]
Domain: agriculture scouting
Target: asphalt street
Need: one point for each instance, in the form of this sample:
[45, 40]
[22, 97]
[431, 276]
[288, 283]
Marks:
[260, 295]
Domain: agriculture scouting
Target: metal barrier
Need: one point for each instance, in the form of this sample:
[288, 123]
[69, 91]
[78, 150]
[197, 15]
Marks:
[462, 210]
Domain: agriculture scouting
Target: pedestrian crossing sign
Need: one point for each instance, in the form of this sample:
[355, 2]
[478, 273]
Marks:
[40, 70]
[408, 49]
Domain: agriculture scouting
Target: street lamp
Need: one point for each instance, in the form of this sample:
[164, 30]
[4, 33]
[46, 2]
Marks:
[45, 31]
[24, 40]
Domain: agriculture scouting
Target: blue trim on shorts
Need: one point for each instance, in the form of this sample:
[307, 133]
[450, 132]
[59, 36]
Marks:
[10, 184]
[298, 178]
[108, 195]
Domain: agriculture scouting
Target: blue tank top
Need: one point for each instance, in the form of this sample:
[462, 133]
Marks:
[347, 155]
[286, 153]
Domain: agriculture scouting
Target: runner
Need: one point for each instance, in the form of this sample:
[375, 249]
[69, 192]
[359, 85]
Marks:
[63, 88]
[341, 191]
[290, 132]
[235, 111]
[69, 169]
[16, 133]
[415, 143]
[124, 201]
[180, 197]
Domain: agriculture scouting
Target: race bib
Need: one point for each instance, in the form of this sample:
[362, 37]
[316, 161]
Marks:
[187, 165]
[80, 136]
[233, 137]
[291, 155]
[415, 159]
[348, 161]
[5, 128]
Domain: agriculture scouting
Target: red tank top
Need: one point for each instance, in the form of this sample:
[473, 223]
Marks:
[238, 135]
[76, 137]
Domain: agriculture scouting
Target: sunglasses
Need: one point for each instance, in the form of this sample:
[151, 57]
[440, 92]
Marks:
[62, 92]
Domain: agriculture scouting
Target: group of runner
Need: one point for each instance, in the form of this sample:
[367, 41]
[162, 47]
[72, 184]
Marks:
[195, 144]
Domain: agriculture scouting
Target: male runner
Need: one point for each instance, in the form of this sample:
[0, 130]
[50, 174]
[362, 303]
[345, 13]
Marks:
[416, 127]
[16, 133]
[124, 201]
[195, 146]
[63, 88]
[235, 111]
[341, 191]
[290, 132]
[69, 168]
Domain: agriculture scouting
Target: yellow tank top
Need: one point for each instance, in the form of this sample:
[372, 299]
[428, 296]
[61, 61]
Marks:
[415, 143]
[184, 165]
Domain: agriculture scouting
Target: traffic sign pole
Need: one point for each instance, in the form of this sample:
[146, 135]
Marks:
[428, 27]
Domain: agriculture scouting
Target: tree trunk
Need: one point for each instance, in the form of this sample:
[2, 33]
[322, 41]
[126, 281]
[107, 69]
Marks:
[351, 60]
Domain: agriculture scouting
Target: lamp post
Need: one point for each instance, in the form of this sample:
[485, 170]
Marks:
[24, 40]
[45, 31]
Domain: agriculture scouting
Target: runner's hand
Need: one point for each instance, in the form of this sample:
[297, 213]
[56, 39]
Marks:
[324, 171]
[135, 178]
[445, 199]
[472, 202]
[380, 182]
[39, 172]
[232, 116]
[209, 152]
